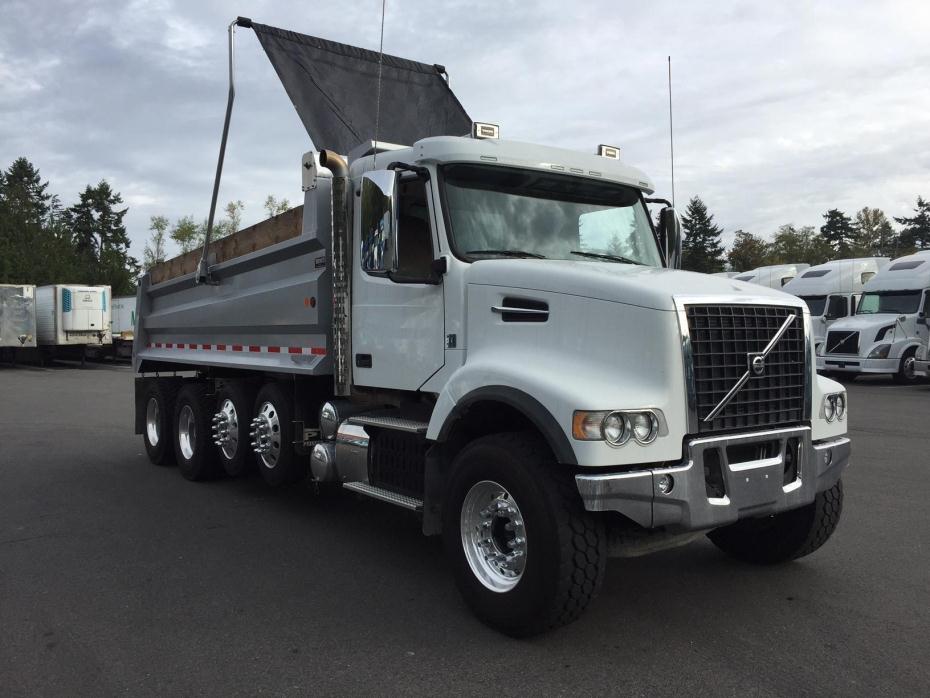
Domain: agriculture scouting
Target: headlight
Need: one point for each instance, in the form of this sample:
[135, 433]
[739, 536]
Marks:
[834, 406]
[616, 427]
[880, 352]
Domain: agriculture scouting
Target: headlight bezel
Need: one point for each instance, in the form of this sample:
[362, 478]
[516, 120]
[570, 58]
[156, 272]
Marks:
[593, 425]
[879, 352]
[834, 407]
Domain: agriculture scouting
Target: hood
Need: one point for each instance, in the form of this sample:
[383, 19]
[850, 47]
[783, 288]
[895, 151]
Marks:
[864, 322]
[647, 287]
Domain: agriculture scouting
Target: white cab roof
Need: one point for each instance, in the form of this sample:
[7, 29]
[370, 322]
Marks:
[772, 274]
[446, 149]
[909, 273]
[838, 276]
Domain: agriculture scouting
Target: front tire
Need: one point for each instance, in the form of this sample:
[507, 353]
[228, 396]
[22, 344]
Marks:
[906, 374]
[786, 536]
[525, 554]
[193, 446]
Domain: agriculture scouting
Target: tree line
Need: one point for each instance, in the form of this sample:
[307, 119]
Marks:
[868, 233]
[44, 242]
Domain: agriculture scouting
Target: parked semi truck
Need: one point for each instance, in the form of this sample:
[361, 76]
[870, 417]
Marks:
[495, 336]
[772, 276]
[17, 319]
[832, 290]
[889, 327]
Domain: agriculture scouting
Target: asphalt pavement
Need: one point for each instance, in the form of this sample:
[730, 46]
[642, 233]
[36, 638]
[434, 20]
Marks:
[120, 577]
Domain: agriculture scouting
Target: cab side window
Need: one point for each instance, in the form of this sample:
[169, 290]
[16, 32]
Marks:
[837, 307]
[414, 235]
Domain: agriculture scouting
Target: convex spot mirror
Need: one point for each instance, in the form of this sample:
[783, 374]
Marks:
[670, 235]
[379, 222]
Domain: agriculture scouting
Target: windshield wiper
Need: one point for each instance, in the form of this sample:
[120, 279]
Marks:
[509, 253]
[609, 257]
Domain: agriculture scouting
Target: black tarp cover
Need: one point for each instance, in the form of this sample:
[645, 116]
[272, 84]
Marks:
[334, 88]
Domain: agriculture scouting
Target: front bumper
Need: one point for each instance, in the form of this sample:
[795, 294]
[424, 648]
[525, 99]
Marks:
[853, 364]
[753, 470]
[922, 367]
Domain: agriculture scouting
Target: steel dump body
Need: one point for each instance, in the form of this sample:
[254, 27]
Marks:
[269, 310]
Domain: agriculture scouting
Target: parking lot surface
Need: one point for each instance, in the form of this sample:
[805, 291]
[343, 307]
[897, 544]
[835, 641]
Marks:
[119, 577]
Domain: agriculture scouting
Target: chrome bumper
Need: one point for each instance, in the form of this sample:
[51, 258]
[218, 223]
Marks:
[853, 364]
[751, 487]
[922, 367]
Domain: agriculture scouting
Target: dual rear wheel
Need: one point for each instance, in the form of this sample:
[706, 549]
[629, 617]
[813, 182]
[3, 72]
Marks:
[233, 431]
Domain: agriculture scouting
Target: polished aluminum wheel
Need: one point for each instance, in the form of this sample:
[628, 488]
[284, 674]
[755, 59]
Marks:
[226, 429]
[909, 367]
[152, 422]
[187, 432]
[266, 434]
[493, 536]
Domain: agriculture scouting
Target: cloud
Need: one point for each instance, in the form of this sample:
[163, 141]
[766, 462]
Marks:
[781, 110]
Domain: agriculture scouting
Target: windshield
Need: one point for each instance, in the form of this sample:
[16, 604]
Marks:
[506, 212]
[897, 302]
[816, 304]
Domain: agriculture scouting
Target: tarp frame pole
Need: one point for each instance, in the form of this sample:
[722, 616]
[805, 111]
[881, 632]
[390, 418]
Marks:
[203, 269]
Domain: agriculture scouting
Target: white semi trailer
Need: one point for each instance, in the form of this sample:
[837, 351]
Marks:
[71, 317]
[17, 319]
[772, 276]
[889, 327]
[123, 325]
[494, 335]
[832, 290]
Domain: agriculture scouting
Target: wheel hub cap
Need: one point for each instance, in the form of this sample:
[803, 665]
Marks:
[226, 429]
[493, 536]
[187, 432]
[265, 432]
[152, 421]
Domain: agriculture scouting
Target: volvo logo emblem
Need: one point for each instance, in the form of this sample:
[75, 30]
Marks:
[758, 365]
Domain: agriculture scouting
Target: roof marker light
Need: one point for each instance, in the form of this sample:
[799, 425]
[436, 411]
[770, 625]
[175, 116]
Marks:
[480, 130]
[608, 151]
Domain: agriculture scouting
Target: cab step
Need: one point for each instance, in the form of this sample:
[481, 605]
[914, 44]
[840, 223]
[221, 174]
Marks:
[384, 495]
[390, 420]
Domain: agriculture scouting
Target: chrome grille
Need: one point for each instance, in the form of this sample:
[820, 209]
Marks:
[722, 338]
[840, 342]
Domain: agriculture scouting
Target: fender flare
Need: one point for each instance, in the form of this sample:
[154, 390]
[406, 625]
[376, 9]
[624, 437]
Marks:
[524, 403]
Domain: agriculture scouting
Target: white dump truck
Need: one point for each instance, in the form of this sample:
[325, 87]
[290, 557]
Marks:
[494, 335]
[17, 319]
[832, 290]
[889, 327]
[772, 276]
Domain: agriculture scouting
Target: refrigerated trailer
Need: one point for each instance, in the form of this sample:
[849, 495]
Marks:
[493, 335]
[71, 317]
[123, 325]
[17, 319]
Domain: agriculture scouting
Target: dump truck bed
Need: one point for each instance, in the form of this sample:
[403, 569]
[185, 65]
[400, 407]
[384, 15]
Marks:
[269, 308]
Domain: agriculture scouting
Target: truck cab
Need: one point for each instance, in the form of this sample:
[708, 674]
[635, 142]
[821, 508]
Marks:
[889, 327]
[496, 336]
[772, 276]
[832, 290]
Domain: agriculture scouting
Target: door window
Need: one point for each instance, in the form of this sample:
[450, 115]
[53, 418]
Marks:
[414, 235]
[837, 307]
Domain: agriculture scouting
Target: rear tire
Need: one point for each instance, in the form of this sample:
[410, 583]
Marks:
[194, 450]
[504, 488]
[905, 374]
[275, 413]
[234, 401]
[158, 434]
[785, 536]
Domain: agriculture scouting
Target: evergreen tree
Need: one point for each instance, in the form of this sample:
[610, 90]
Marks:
[838, 231]
[100, 239]
[792, 245]
[874, 235]
[915, 235]
[702, 249]
[748, 252]
[25, 207]
[154, 252]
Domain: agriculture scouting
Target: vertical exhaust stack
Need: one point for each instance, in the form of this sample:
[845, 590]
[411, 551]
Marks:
[342, 273]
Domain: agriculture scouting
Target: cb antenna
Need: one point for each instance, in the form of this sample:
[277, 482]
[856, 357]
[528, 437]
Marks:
[671, 132]
[374, 161]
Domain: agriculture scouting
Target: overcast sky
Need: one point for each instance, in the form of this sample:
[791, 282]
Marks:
[782, 110]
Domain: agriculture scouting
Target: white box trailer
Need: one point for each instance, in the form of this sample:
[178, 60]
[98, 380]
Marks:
[17, 318]
[832, 290]
[773, 275]
[123, 325]
[889, 330]
[72, 315]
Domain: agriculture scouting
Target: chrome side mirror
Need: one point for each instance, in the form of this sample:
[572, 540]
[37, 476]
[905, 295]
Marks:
[378, 222]
[670, 234]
